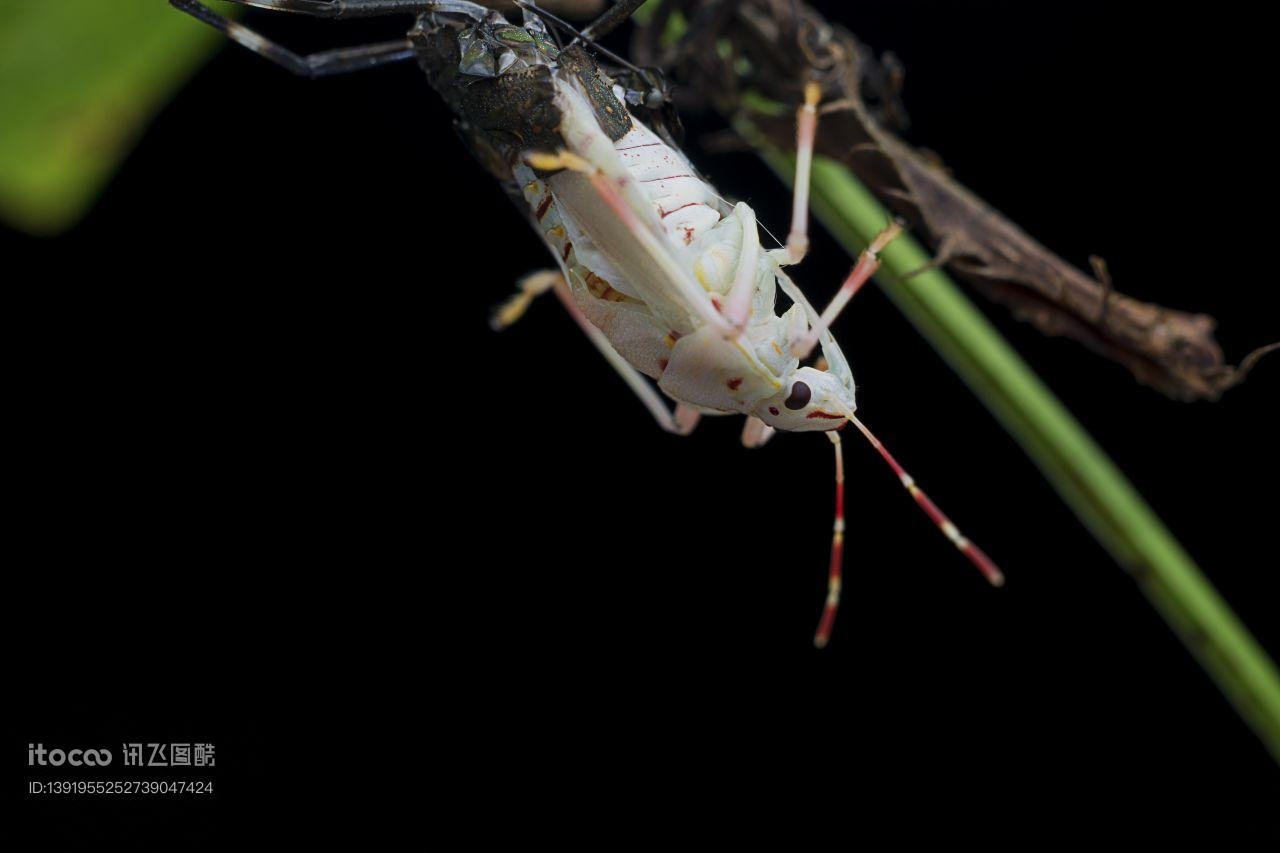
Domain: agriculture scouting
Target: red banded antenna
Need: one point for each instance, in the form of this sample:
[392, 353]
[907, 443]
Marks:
[834, 574]
[984, 563]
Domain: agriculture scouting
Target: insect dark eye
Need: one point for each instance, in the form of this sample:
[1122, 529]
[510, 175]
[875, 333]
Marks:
[800, 396]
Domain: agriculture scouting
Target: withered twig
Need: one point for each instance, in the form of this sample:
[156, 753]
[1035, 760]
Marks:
[786, 42]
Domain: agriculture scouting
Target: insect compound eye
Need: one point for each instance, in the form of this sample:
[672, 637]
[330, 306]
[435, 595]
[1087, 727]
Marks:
[801, 394]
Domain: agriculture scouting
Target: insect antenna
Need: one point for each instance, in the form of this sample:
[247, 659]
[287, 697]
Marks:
[764, 227]
[834, 575]
[577, 36]
[975, 554]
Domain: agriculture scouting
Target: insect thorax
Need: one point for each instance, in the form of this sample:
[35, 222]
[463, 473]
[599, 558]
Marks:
[498, 79]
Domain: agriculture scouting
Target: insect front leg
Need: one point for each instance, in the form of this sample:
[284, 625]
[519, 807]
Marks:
[866, 266]
[756, 432]
[324, 63]
[737, 308]
[806, 133]
[798, 237]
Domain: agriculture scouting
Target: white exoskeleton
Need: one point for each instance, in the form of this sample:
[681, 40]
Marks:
[671, 282]
[667, 280]
[678, 282]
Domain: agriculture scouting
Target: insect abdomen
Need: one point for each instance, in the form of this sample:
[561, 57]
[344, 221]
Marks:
[685, 204]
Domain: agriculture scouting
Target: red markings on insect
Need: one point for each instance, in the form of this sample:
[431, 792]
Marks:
[827, 415]
[666, 213]
[601, 289]
[662, 364]
[665, 178]
[734, 384]
[544, 206]
[568, 247]
[688, 235]
[773, 410]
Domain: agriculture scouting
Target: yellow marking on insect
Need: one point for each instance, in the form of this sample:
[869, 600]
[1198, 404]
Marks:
[812, 94]
[670, 340]
[560, 160]
[601, 289]
[777, 348]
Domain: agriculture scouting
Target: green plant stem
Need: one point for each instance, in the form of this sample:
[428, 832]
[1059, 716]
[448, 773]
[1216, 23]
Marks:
[1086, 479]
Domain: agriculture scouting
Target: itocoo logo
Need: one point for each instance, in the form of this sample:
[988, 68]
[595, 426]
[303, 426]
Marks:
[94, 757]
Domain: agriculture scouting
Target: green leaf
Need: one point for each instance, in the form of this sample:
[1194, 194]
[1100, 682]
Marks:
[79, 80]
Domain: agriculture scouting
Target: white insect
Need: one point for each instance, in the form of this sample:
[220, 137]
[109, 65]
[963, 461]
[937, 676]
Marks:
[672, 283]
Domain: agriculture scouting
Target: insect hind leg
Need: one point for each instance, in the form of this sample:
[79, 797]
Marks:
[329, 62]
[528, 289]
[680, 422]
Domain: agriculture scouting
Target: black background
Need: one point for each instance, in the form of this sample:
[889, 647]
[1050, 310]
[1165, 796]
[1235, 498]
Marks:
[241, 379]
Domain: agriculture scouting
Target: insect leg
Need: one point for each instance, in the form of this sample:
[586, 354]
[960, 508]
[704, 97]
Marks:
[681, 422]
[756, 432]
[806, 131]
[737, 308]
[868, 263]
[529, 288]
[835, 572]
[365, 8]
[327, 62]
